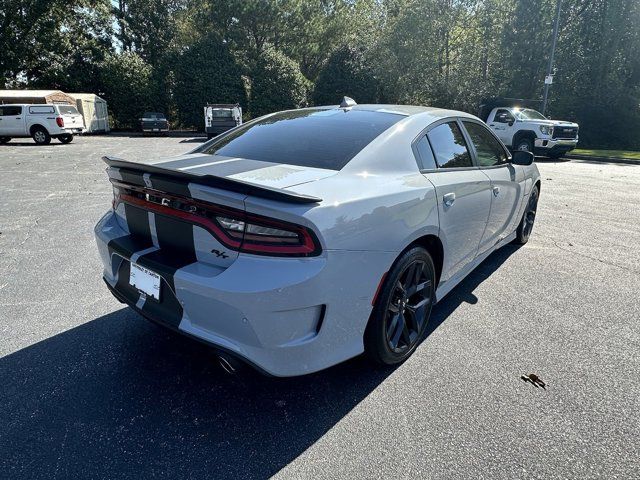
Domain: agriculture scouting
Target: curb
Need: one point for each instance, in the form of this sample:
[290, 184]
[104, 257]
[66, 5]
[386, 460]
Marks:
[626, 161]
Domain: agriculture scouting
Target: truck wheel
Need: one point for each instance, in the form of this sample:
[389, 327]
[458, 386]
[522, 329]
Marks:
[41, 136]
[524, 144]
[4, 140]
[66, 138]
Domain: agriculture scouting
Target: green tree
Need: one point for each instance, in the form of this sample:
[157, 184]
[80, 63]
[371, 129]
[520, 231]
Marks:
[276, 84]
[347, 72]
[206, 72]
[125, 77]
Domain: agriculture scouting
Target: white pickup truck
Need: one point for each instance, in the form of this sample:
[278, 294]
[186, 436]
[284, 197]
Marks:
[40, 122]
[527, 129]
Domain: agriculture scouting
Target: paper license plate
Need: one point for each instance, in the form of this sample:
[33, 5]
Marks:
[145, 280]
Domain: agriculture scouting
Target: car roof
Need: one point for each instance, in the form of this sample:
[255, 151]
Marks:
[405, 110]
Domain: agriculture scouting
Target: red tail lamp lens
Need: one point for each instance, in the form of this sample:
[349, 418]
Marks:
[244, 232]
[60, 121]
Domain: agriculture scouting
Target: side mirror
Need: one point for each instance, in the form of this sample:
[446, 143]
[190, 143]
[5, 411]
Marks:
[521, 157]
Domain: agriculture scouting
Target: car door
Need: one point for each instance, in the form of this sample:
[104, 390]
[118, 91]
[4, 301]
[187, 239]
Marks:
[11, 121]
[507, 182]
[502, 125]
[463, 192]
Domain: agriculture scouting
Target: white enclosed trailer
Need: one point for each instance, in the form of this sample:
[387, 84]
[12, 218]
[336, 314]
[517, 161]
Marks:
[94, 110]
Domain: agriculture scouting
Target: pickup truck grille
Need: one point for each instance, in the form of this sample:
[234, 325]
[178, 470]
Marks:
[565, 132]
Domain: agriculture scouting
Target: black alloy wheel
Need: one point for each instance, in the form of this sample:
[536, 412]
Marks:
[528, 217]
[402, 309]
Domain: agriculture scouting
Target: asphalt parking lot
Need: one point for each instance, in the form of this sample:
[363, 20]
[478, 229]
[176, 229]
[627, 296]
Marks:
[91, 390]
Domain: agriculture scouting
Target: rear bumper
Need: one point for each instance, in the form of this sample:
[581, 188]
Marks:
[74, 131]
[154, 130]
[218, 129]
[285, 316]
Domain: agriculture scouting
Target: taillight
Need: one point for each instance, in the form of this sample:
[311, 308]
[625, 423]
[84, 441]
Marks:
[235, 229]
[269, 236]
[60, 121]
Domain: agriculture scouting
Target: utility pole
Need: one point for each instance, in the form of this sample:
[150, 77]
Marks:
[549, 78]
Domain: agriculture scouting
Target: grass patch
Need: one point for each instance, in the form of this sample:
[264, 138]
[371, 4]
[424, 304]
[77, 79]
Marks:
[609, 153]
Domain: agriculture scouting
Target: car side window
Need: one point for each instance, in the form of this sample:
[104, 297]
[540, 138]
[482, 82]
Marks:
[9, 111]
[449, 146]
[425, 154]
[503, 116]
[488, 149]
[42, 109]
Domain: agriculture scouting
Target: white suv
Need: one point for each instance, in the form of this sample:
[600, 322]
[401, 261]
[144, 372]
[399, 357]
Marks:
[41, 122]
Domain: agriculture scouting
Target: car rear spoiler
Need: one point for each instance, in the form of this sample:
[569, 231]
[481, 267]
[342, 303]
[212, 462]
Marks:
[238, 186]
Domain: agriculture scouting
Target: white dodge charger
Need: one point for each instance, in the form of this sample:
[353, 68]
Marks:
[306, 237]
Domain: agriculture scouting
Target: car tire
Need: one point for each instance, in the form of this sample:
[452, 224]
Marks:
[41, 136]
[4, 140]
[68, 138]
[523, 232]
[524, 144]
[402, 309]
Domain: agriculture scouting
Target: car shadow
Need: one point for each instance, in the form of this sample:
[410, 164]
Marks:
[54, 143]
[119, 397]
[552, 160]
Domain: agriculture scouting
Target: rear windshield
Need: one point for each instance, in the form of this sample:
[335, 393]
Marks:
[307, 138]
[220, 113]
[67, 110]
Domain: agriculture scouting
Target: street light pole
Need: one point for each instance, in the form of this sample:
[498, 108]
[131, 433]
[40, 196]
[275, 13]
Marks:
[548, 78]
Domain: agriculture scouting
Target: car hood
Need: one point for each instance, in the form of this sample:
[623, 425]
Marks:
[553, 123]
[268, 174]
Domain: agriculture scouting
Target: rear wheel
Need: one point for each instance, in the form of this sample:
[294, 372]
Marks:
[4, 140]
[67, 138]
[41, 136]
[402, 310]
[528, 218]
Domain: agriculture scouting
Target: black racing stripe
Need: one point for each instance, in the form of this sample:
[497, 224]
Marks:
[231, 168]
[138, 222]
[166, 184]
[130, 176]
[177, 248]
[127, 245]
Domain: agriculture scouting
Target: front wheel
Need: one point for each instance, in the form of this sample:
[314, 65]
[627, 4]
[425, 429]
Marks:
[528, 218]
[402, 310]
[525, 145]
[67, 138]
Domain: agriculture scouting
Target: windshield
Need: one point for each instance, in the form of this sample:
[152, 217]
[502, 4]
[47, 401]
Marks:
[67, 110]
[528, 114]
[317, 138]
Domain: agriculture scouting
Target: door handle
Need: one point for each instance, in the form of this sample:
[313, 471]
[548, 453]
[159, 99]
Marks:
[448, 199]
[496, 191]
[492, 124]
